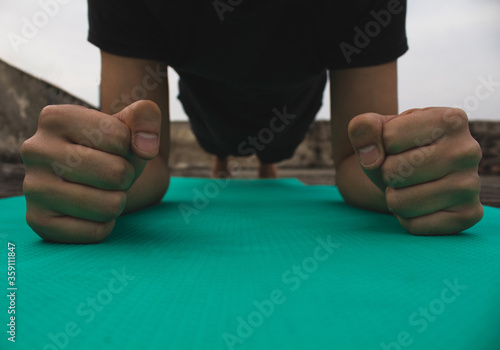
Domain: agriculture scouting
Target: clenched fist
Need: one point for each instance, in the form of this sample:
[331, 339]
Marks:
[79, 165]
[426, 162]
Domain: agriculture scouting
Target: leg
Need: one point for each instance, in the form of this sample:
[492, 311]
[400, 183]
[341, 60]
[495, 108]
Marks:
[267, 170]
[219, 168]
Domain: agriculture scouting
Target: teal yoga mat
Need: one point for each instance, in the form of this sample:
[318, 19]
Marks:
[253, 264]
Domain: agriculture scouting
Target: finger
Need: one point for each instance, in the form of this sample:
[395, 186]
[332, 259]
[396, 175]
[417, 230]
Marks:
[444, 222]
[66, 229]
[86, 127]
[72, 199]
[431, 162]
[441, 194]
[80, 164]
[365, 133]
[143, 118]
[419, 127]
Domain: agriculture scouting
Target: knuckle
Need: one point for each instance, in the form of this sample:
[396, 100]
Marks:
[120, 174]
[461, 116]
[40, 149]
[417, 227]
[418, 230]
[469, 216]
[466, 156]
[119, 136]
[49, 115]
[465, 188]
[389, 169]
[28, 188]
[472, 215]
[390, 136]
[455, 119]
[410, 226]
[470, 184]
[31, 185]
[31, 219]
[37, 221]
[113, 204]
[473, 152]
[393, 200]
[28, 149]
[100, 230]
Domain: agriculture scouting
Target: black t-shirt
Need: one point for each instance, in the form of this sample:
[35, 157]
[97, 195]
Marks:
[271, 43]
[240, 59]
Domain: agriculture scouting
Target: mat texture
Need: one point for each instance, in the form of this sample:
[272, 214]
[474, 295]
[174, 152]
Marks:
[254, 264]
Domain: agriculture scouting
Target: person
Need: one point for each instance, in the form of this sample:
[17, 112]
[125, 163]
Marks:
[252, 75]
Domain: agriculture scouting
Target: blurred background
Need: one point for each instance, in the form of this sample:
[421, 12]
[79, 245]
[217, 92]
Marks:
[454, 49]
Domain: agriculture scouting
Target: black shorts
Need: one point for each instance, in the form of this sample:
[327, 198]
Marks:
[240, 64]
[272, 127]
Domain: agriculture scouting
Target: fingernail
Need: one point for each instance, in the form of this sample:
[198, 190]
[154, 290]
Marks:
[147, 143]
[368, 155]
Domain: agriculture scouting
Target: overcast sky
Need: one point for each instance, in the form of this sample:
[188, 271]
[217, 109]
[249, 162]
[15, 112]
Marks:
[454, 48]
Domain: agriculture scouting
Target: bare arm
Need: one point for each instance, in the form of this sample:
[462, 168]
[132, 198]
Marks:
[122, 81]
[356, 91]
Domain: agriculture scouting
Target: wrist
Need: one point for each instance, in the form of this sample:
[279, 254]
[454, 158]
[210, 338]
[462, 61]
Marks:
[150, 187]
[356, 188]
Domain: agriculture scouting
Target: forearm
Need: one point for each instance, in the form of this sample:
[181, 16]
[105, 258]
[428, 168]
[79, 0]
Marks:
[356, 188]
[150, 187]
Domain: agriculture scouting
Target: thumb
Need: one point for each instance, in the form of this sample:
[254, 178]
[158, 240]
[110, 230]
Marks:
[143, 118]
[366, 134]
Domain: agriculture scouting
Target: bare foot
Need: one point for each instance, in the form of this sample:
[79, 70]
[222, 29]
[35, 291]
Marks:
[268, 171]
[219, 168]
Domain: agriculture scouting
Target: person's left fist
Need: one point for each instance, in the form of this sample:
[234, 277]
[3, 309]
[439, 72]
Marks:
[426, 162]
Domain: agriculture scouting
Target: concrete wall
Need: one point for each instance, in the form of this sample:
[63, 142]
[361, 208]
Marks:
[315, 151]
[22, 97]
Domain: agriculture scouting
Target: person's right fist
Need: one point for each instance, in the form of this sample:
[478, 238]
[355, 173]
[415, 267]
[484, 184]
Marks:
[79, 165]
